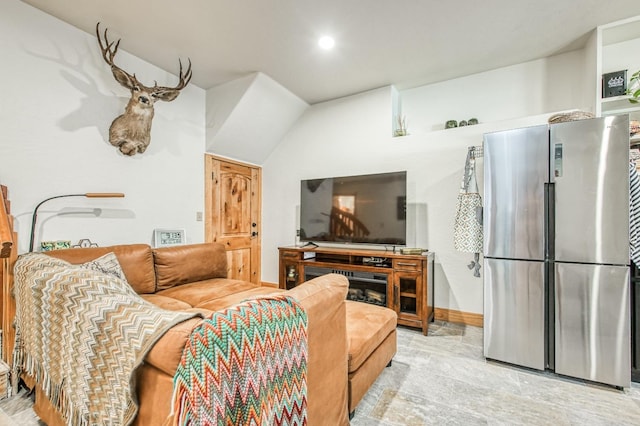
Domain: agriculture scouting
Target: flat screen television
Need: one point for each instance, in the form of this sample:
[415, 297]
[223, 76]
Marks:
[363, 209]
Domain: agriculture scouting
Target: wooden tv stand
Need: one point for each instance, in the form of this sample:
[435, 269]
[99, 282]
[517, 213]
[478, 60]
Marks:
[400, 282]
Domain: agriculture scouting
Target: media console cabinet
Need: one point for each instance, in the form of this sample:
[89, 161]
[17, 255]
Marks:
[401, 282]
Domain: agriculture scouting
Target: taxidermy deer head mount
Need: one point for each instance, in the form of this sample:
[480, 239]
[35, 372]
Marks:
[131, 132]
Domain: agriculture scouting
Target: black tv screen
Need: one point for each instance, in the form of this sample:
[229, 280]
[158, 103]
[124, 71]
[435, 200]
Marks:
[364, 209]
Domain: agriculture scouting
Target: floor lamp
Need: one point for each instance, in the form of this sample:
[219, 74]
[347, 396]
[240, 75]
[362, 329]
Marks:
[88, 195]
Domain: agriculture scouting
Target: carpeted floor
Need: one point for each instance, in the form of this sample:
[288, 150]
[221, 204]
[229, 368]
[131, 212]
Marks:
[444, 379]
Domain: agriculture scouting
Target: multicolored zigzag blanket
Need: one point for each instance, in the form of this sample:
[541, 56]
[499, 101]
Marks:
[245, 365]
[81, 334]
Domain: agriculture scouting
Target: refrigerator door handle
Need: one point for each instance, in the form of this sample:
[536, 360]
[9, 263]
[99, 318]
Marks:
[550, 221]
[549, 314]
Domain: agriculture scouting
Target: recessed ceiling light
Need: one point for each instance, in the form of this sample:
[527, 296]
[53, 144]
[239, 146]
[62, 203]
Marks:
[326, 42]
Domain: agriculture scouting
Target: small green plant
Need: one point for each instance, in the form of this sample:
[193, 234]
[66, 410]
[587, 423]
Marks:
[634, 88]
[401, 129]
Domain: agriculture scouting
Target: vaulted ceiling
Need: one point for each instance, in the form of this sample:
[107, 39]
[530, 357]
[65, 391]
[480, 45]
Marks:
[405, 43]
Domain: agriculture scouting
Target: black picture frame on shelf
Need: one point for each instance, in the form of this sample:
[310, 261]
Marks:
[614, 84]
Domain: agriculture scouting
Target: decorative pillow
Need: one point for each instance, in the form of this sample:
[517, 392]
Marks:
[107, 264]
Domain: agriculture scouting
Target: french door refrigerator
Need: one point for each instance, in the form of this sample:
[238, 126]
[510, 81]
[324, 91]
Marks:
[556, 248]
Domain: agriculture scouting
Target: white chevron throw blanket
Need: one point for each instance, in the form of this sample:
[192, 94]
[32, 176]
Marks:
[81, 334]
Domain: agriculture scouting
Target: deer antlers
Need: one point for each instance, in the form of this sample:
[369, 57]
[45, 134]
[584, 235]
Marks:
[109, 50]
[107, 53]
[131, 131]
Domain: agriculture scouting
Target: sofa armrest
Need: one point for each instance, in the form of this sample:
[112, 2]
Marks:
[323, 299]
[166, 353]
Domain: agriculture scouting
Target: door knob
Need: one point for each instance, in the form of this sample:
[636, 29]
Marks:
[254, 234]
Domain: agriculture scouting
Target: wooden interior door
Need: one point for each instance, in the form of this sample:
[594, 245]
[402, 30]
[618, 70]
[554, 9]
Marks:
[233, 200]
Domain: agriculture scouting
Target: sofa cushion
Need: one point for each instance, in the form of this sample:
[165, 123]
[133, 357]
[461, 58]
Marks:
[180, 265]
[360, 381]
[197, 293]
[235, 298]
[136, 261]
[367, 327]
[168, 303]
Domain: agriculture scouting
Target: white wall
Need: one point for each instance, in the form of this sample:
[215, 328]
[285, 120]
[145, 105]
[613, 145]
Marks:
[247, 117]
[552, 84]
[352, 136]
[58, 101]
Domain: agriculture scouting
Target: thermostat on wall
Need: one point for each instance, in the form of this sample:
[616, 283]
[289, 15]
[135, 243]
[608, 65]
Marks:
[169, 237]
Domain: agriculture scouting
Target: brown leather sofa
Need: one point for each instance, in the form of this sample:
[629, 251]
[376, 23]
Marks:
[341, 367]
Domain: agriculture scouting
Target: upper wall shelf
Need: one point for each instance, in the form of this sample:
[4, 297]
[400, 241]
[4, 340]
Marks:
[617, 46]
[619, 105]
[620, 31]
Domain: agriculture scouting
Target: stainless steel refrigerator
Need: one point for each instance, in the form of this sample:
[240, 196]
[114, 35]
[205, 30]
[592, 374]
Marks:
[556, 248]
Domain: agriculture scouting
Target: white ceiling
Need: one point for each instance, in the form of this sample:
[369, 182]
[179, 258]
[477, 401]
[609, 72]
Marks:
[406, 43]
